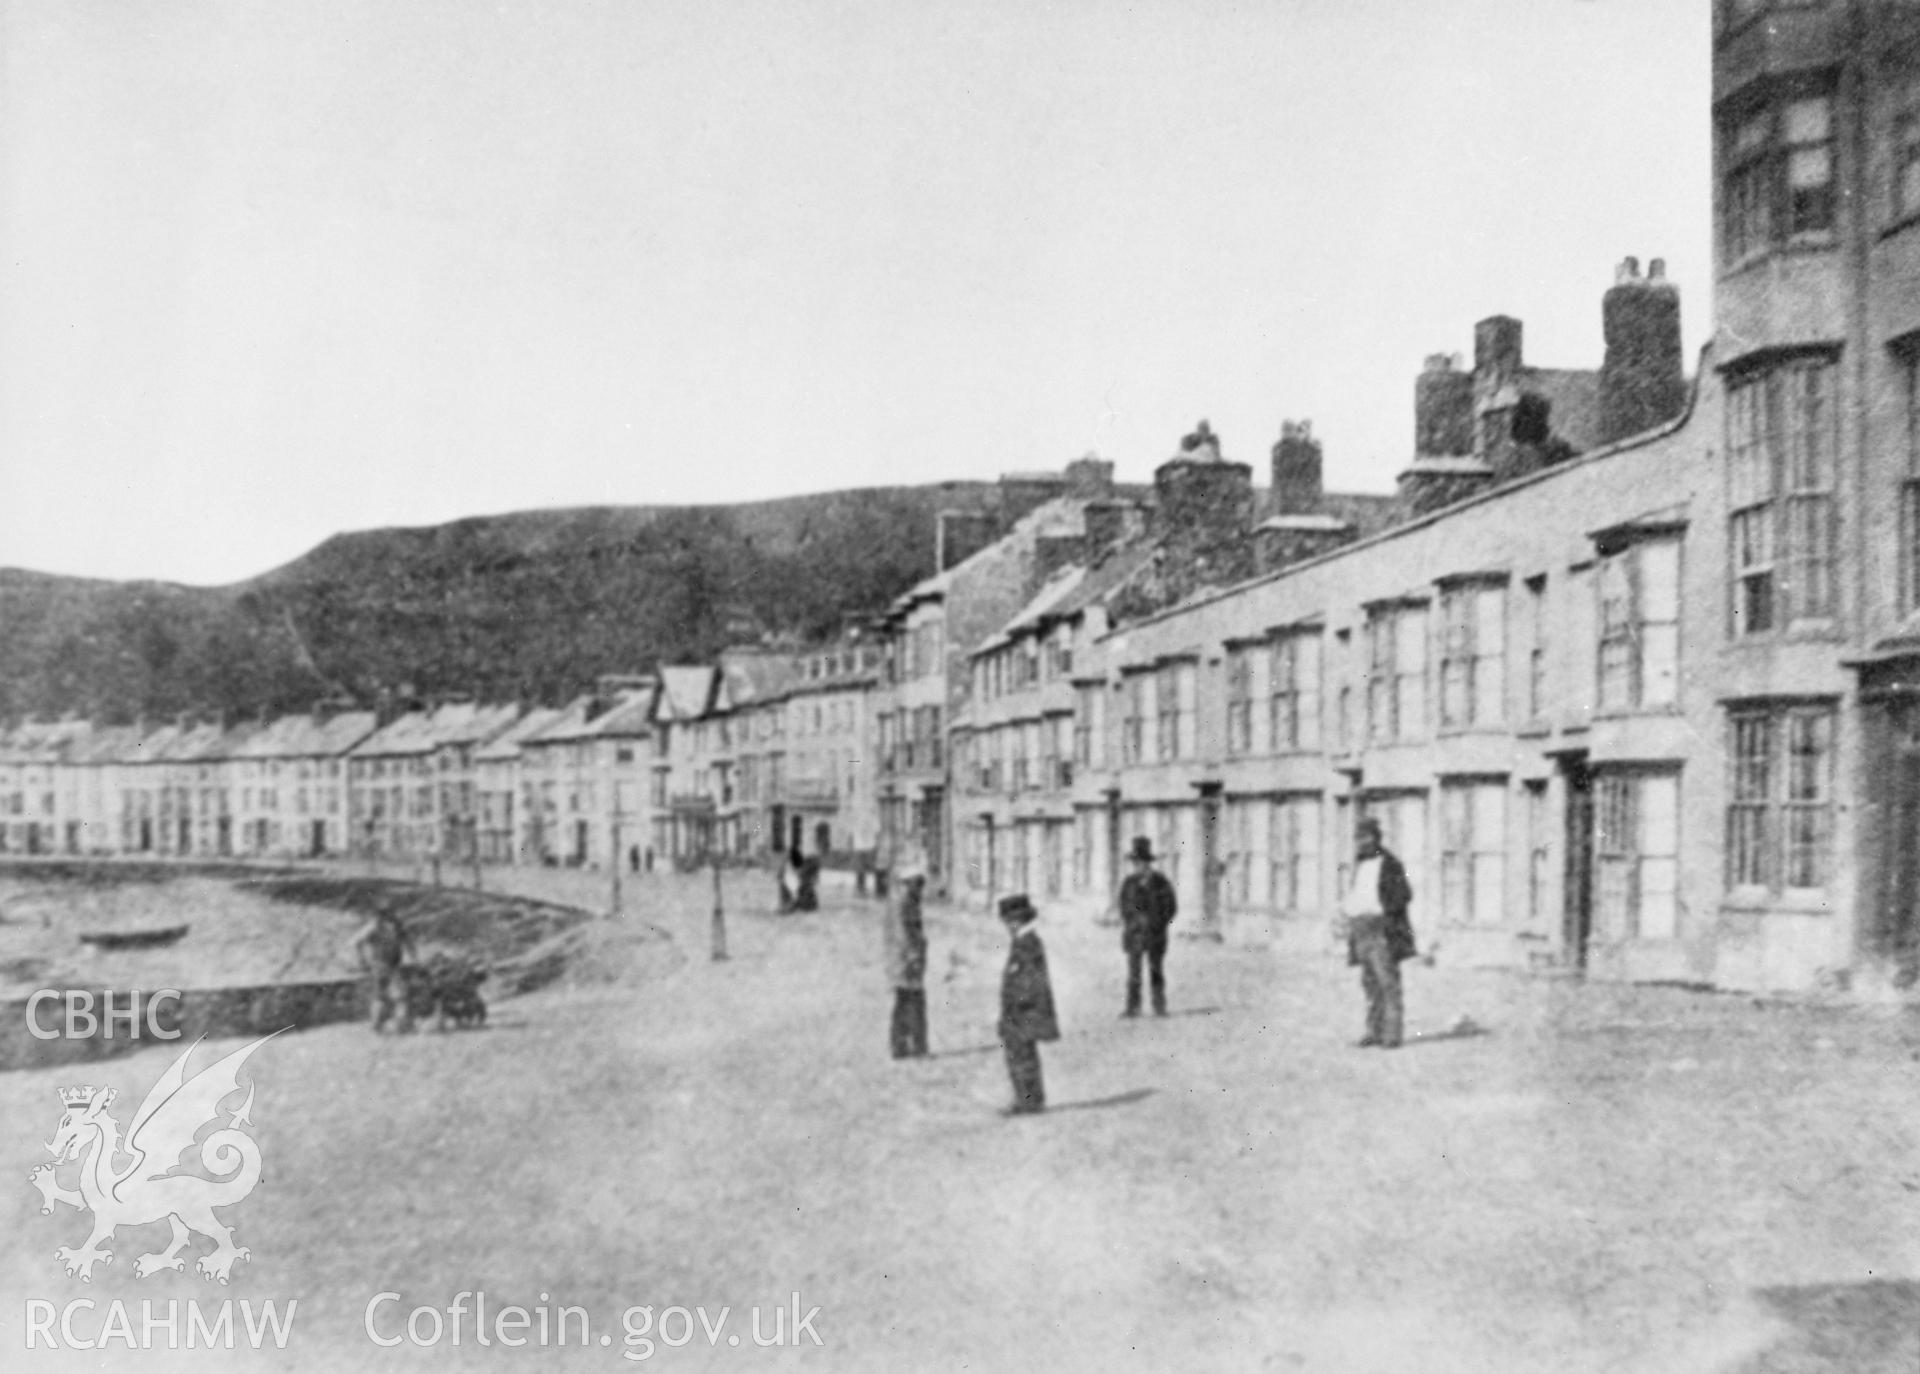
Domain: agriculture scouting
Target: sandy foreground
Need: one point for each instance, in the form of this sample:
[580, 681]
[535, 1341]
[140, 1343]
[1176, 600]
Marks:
[1608, 1179]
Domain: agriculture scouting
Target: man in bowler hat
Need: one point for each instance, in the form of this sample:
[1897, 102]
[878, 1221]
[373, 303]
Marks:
[1026, 1004]
[907, 956]
[1147, 908]
[1379, 934]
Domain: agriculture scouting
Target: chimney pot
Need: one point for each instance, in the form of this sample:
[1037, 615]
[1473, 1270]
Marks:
[1657, 270]
[1629, 270]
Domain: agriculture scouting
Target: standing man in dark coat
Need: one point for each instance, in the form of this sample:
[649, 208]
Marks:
[907, 957]
[1379, 935]
[1147, 908]
[1026, 1005]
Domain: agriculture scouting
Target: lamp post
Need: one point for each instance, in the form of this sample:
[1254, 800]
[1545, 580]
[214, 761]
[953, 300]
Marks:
[613, 853]
[719, 907]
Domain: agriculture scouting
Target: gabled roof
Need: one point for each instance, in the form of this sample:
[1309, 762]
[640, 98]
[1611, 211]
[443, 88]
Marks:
[627, 714]
[469, 724]
[685, 692]
[41, 741]
[339, 733]
[154, 747]
[630, 716]
[751, 678]
[200, 743]
[506, 744]
[1036, 612]
[309, 736]
[108, 744]
[230, 741]
[566, 724]
[411, 733]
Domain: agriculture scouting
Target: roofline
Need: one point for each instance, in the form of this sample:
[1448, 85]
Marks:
[1632, 441]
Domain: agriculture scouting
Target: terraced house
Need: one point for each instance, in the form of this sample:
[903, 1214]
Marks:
[989, 565]
[822, 800]
[291, 784]
[1631, 690]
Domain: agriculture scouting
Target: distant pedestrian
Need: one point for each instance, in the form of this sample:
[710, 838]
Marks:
[1147, 908]
[1379, 933]
[789, 881]
[1026, 1004]
[906, 941]
[385, 949]
[807, 895]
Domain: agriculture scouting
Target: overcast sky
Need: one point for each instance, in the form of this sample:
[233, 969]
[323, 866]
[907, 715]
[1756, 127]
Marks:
[278, 270]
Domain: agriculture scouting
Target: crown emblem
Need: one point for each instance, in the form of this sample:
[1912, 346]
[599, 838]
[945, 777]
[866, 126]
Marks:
[78, 1097]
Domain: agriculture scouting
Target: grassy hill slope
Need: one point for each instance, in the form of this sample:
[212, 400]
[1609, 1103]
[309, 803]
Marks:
[530, 605]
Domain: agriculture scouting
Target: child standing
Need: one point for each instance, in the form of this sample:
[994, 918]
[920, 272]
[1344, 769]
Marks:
[1026, 1004]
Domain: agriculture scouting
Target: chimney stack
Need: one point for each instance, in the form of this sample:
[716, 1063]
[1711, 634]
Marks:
[959, 534]
[1203, 499]
[1091, 476]
[1443, 408]
[1297, 469]
[1496, 352]
[1643, 378]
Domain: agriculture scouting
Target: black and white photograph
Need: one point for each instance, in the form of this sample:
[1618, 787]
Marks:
[1111, 685]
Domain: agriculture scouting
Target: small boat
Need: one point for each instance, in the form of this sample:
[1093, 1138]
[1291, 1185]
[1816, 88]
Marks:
[134, 939]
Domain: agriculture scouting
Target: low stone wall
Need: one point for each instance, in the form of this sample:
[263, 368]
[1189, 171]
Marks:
[213, 1012]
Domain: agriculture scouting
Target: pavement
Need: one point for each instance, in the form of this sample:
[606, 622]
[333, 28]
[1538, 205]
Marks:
[1574, 1177]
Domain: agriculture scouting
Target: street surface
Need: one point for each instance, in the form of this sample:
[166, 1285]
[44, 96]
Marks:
[1608, 1178]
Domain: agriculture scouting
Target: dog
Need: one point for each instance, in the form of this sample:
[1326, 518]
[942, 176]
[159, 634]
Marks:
[447, 988]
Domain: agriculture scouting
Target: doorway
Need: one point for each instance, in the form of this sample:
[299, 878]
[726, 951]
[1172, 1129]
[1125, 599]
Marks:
[1896, 931]
[1577, 911]
[1211, 864]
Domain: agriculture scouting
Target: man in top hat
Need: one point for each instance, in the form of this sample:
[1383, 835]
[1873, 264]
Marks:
[1379, 934]
[906, 940]
[1147, 908]
[1026, 1004]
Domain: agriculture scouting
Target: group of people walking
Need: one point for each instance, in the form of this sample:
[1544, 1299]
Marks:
[1373, 916]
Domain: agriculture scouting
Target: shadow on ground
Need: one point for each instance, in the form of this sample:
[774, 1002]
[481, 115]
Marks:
[1116, 1100]
[1870, 1327]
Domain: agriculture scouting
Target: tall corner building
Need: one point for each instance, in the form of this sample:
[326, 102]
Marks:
[1816, 121]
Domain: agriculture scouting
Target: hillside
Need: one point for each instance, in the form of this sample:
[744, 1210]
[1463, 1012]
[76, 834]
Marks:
[528, 606]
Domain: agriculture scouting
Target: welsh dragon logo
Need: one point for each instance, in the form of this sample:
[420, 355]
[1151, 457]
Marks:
[147, 1188]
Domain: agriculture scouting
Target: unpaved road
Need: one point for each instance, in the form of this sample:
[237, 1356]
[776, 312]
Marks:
[1612, 1179]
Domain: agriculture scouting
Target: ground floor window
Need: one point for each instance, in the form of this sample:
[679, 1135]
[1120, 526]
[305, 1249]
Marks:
[1020, 866]
[1243, 851]
[1293, 849]
[1473, 853]
[1780, 807]
[1086, 834]
[1636, 855]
